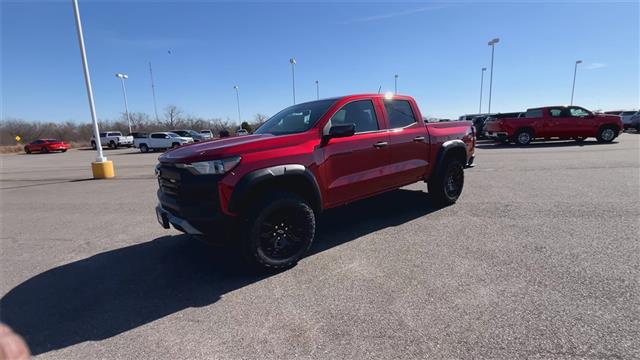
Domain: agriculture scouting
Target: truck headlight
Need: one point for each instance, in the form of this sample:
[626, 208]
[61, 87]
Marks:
[213, 167]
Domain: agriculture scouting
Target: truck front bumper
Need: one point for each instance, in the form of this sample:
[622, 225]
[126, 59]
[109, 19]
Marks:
[166, 219]
[189, 202]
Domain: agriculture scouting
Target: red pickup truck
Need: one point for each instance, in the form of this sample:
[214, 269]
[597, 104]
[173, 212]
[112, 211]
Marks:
[564, 122]
[308, 157]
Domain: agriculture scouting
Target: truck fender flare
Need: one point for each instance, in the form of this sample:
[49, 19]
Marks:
[446, 149]
[260, 176]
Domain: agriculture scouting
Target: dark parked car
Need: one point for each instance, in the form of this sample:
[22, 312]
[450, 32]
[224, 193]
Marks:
[139, 135]
[196, 136]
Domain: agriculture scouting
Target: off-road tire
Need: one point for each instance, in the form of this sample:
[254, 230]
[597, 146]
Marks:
[446, 185]
[278, 230]
[144, 148]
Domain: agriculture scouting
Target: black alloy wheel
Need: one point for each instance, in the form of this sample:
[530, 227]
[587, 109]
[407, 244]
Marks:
[281, 228]
[454, 181]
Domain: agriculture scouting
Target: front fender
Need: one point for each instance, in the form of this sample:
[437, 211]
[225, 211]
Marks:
[261, 176]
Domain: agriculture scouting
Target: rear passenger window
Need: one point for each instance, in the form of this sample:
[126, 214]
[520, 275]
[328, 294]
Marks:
[400, 113]
[361, 113]
[535, 113]
[555, 112]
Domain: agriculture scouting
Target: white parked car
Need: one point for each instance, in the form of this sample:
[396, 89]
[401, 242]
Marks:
[207, 133]
[241, 132]
[113, 139]
[161, 140]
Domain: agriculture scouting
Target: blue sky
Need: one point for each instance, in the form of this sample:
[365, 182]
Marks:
[437, 48]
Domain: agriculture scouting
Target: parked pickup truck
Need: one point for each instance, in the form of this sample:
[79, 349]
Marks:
[307, 158]
[564, 122]
[160, 140]
[113, 139]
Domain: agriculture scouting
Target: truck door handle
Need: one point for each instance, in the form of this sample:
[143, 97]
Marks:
[418, 139]
[380, 144]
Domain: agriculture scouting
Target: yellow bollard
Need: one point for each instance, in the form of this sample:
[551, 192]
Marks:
[103, 170]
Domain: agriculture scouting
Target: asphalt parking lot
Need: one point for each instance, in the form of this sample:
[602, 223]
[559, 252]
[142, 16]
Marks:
[540, 258]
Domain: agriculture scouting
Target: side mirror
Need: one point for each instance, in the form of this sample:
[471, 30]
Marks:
[339, 131]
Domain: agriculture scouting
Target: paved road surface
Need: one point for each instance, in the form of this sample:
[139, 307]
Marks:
[540, 258]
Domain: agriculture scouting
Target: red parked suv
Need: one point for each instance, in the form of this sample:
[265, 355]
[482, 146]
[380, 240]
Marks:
[45, 146]
[308, 157]
[564, 122]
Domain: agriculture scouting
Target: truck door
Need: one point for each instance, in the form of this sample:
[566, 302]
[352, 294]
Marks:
[158, 140]
[408, 142]
[555, 123]
[579, 122]
[354, 166]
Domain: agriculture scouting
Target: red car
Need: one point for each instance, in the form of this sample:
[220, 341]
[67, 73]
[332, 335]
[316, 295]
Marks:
[46, 145]
[305, 159]
[564, 122]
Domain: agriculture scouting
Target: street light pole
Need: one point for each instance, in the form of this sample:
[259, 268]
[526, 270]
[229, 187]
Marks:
[237, 88]
[293, 77]
[87, 81]
[575, 71]
[481, 86]
[491, 43]
[395, 78]
[122, 77]
[317, 90]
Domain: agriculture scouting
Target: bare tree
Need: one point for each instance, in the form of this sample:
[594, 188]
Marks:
[139, 120]
[172, 115]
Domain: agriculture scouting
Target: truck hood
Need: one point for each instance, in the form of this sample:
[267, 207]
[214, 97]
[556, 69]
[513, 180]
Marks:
[215, 149]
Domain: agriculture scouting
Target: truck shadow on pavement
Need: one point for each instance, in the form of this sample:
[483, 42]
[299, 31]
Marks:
[116, 291]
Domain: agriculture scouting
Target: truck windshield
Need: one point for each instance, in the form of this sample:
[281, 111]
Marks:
[296, 119]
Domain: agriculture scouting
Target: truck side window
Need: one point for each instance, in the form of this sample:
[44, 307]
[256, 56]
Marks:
[578, 112]
[533, 114]
[400, 113]
[157, 136]
[555, 112]
[361, 113]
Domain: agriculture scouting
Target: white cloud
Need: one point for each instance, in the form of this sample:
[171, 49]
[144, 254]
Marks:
[593, 66]
[391, 15]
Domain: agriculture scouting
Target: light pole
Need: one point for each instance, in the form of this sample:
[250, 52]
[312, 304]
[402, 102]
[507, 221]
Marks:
[317, 90]
[101, 168]
[491, 43]
[481, 86]
[122, 77]
[293, 77]
[395, 79]
[575, 71]
[237, 88]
